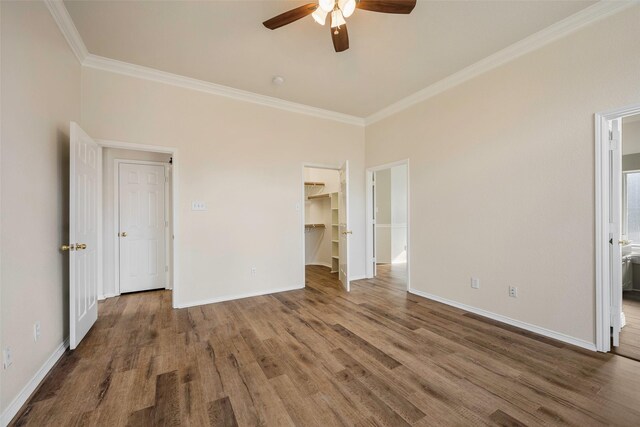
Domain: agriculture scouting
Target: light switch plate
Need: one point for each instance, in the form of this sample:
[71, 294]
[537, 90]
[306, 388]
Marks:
[198, 205]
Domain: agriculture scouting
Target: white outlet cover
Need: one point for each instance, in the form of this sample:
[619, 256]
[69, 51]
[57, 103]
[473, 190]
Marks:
[198, 205]
[36, 331]
[6, 358]
[475, 283]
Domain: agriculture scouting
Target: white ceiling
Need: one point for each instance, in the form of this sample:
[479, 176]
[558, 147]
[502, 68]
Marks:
[390, 56]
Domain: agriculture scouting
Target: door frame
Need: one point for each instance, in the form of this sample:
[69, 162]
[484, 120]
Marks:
[173, 206]
[369, 217]
[603, 198]
[116, 219]
[302, 212]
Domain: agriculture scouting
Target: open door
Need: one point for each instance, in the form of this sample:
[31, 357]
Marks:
[83, 235]
[345, 231]
[616, 240]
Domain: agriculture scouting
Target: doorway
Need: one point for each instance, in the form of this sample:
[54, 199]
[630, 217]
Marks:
[137, 200]
[628, 344]
[326, 225]
[388, 224]
[618, 231]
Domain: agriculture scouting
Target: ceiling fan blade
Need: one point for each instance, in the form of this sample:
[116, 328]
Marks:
[340, 40]
[387, 6]
[290, 16]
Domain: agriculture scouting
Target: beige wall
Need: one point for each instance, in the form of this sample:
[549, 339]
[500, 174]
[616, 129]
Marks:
[631, 162]
[245, 162]
[40, 81]
[631, 135]
[502, 177]
[109, 220]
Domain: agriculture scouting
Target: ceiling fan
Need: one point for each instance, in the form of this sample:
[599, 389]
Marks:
[337, 11]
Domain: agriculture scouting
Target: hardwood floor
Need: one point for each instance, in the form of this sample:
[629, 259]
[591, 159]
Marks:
[322, 357]
[630, 334]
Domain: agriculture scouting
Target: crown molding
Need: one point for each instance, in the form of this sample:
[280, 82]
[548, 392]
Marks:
[591, 14]
[132, 70]
[60, 14]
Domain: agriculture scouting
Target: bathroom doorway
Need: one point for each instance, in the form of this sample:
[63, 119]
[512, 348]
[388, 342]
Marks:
[388, 224]
[629, 340]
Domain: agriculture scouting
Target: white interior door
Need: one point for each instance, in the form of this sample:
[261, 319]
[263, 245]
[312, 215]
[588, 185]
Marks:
[142, 225]
[374, 213]
[616, 238]
[344, 230]
[83, 235]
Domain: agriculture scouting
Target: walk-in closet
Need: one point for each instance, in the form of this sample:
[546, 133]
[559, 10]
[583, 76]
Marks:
[322, 217]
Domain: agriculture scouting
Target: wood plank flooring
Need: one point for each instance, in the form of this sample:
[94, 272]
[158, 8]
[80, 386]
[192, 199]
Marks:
[630, 334]
[322, 357]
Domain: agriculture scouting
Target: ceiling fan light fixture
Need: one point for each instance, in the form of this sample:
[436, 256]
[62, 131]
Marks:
[327, 5]
[347, 7]
[337, 19]
[320, 16]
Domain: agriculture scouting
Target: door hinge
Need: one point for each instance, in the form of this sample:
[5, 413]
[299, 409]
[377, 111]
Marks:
[166, 268]
[166, 223]
[613, 143]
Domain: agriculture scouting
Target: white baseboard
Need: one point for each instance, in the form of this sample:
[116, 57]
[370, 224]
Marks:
[105, 296]
[237, 296]
[31, 386]
[509, 321]
[354, 278]
[322, 264]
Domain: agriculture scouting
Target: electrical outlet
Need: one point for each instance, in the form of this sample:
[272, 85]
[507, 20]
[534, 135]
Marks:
[513, 292]
[6, 358]
[253, 272]
[36, 331]
[475, 283]
[198, 205]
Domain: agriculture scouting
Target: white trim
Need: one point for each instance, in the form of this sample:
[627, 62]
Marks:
[31, 386]
[603, 282]
[560, 29]
[238, 296]
[369, 250]
[116, 220]
[62, 18]
[175, 198]
[361, 277]
[60, 14]
[321, 264]
[509, 321]
[151, 74]
[105, 296]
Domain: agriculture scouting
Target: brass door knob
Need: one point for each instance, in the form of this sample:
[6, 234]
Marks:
[67, 248]
[624, 242]
[123, 234]
[81, 246]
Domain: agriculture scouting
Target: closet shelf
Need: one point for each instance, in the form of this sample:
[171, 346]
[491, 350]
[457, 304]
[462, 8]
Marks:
[335, 241]
[314, 226]
[335, 257]
[314, 184]
[318, 196]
